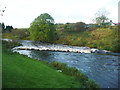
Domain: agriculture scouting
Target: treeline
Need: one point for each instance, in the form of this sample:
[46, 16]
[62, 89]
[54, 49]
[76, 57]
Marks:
[6, 28]
[80, 26]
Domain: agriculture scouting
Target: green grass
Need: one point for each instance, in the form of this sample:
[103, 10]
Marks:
[22, 72]
[101, 38]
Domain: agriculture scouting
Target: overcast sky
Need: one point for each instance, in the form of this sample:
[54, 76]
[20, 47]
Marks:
[20, 13]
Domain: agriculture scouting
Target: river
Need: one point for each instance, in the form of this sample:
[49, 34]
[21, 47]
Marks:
[102, 68]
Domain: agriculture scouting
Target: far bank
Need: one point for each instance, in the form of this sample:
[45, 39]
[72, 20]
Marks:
[100, 38]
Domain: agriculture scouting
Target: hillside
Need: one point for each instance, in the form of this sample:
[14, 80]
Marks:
[101, 38]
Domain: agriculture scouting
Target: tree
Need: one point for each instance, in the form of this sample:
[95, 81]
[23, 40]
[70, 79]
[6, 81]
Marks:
[3, 26]
[8, 28]
[101, 16]
[42, 28]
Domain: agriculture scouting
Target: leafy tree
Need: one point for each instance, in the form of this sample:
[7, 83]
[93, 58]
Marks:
[43, 28]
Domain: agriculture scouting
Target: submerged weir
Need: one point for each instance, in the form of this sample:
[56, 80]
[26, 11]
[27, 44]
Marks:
[39, 46]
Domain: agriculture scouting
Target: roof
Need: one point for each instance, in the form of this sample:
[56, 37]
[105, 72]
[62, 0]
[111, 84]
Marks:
[116, 23]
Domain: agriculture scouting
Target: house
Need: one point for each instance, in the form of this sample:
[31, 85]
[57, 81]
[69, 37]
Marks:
[116, 23]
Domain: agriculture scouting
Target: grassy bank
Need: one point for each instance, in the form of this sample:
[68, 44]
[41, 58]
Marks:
[22, 72]
[101, 38]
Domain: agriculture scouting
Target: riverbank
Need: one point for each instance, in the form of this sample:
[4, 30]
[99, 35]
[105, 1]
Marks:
[100, 38]
[22, 72]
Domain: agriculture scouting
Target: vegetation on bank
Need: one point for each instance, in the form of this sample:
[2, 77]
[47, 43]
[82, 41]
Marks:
[81, 77]
[19, 71]
[101, 38]
[17, 34]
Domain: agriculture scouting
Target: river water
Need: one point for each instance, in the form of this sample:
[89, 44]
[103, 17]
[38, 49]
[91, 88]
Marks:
[102, 68]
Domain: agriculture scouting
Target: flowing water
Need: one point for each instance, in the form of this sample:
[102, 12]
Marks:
[103, 68]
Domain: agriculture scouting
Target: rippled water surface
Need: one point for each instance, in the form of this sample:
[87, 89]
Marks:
[102, 68]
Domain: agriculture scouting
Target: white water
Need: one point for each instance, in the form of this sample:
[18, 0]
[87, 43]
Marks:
[30, 45]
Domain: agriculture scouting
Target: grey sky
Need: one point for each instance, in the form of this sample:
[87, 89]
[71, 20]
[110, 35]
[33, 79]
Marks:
[20, 13]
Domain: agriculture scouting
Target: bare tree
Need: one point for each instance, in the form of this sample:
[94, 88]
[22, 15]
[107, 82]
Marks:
[101, 16]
